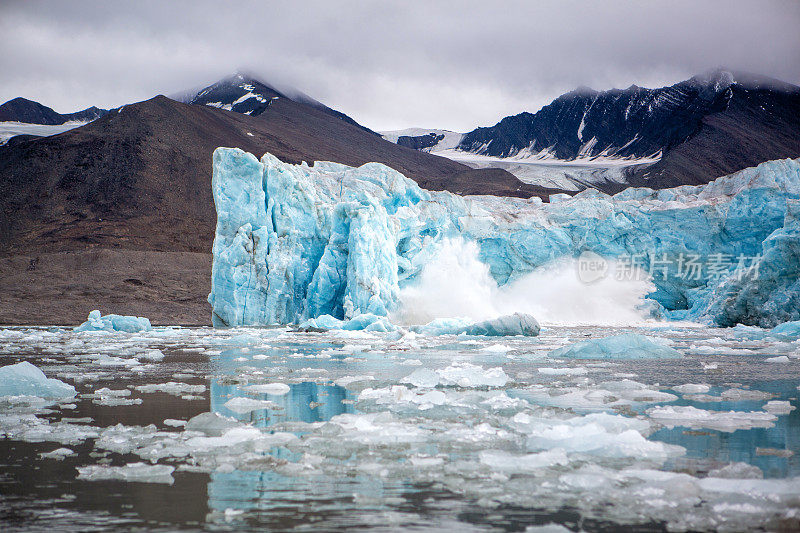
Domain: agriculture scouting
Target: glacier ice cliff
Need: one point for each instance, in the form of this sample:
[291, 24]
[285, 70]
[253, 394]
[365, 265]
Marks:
[297, 242]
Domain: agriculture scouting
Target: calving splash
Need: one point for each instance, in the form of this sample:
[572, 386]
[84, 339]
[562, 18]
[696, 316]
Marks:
[297, 242]
[455, 283]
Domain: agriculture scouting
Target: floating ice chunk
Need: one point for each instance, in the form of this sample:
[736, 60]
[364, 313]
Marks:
[425, 461]
[369, 322]
[228, 439]
[509, 325]
[58, 454]
[212, 424]
[362, 322]
[273, 389]
[737, 395]
[737, 471]
[347, 381]
[507, 462]
[637, 392]
[779, 359]
[576, 371]
[607, 395]
[727, 421]
[399, 394]
[598, 434]
[692, 388]
[497, 348]
[242, 405]
[443, 326]
[469, 375]
[764, 489]
[717, 350]
[106, 396]
[788, 331]
[172, 387]
[25, 379]
[111, 323]
[133, 472]
[779, 407]
[174, 422]
[626, 346]
[322, 322]
[30, 428]
[548, 528]
[422, 377]
[503, 401]
[378, 429]
[152, 355]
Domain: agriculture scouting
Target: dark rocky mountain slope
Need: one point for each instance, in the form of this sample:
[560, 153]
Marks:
[137, 182]
[245, 94]
[28, 111]
[702, 128]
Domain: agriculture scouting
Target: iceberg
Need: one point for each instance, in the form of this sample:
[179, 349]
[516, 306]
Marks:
[112, 323]
[516, 324]
[459, 374]
[509, 325]
[788, 331]
[625, 346]
[25, 379]
[693, 417]
[365, 322]
[297, 242]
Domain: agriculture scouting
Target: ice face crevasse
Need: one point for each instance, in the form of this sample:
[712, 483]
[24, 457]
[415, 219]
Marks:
[295, 242]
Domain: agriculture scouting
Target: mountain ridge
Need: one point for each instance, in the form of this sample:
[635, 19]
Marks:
[691, 132]
[243, 93]
[31, 112]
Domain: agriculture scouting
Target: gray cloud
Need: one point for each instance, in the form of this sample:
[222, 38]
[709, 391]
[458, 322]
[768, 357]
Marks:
[388, 64]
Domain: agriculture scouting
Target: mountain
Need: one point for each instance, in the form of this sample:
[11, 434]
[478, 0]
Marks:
[689, 133]
[243, 93]
[30, 112]
[118, 214]
[632, 123]
[152, 159]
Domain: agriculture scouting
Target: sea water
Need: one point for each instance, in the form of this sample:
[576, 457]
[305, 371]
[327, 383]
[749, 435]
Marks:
[273, 428]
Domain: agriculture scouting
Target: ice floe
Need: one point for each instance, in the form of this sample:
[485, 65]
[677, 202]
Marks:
[626, 346]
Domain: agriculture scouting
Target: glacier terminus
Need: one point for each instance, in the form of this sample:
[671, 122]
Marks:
[327, 241]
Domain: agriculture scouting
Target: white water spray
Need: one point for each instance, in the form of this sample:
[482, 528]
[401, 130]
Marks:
[457, 284]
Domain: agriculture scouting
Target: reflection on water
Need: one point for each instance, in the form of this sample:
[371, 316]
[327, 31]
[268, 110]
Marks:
[305, 402]
[270, 493]
[742, 445]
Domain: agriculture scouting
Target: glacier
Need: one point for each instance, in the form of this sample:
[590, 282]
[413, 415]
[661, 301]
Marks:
[295, 243]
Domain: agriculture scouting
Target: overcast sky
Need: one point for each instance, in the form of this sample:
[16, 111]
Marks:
[389, 65]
